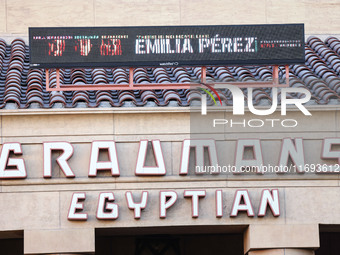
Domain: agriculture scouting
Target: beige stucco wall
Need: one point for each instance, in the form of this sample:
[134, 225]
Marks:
[320, 17]
[36, 204]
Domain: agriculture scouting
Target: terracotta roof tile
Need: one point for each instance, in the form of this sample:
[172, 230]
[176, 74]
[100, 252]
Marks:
[22, 87]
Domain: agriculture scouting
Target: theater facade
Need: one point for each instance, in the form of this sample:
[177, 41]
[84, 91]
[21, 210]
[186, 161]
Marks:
[152, 171]
[81, 183]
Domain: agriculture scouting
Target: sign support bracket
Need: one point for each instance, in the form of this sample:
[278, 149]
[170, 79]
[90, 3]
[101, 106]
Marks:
[153, 86]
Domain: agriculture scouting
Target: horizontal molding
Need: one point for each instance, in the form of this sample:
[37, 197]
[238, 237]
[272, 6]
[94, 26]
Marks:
[150, 110]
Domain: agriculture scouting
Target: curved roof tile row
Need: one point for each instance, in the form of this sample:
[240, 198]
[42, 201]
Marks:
[25, 87]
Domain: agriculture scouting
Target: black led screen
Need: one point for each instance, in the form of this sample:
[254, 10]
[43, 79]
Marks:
[166, 46]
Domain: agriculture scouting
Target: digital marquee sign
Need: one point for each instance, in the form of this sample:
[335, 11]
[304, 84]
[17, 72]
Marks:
[64, 47]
